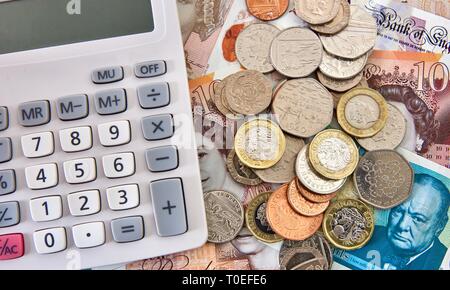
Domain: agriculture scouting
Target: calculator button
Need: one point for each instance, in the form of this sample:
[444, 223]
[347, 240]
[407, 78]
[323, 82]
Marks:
[46, 209]
[84, 203]
[38, 145]
[4, 118]
[89, 235]
[154, 96]
[162, 159]
[127, 230]
[76, 139]
[42, 176]
[72, 107]
[34, 113]
[158, 127]
[111, 102]
[168, 206]
[119, 165]
[108, 75]
[80, 170]
[11, 247]
[114, 133]
[7, 182]
[123, 197]
[150, 69]
[50, 241]
[9, 214]
[5, 150]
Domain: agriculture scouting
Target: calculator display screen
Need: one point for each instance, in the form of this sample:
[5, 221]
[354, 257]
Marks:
[33, 24]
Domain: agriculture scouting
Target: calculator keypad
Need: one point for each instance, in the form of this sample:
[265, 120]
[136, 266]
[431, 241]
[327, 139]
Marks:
[5, 150]
[158, 127]
[150, 69]
[76, 139]
[123, 197]
[127, 230]
[111, 102]
[84, 203]
[38, 145]
[72, 108]
[162, 158]
[50, 241]
[34, 113]
[154, 96]
[45, 209]
[4, 118]
[114, 133]
[108, 75]
[80, 171]
[89, 235]
[11, 247]
[119, 165]
[9, 214]
[7, 182]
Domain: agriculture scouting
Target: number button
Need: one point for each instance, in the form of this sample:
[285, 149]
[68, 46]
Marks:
[42, 176]
[89, 235]
[38, 145]
[46, 209]
[84, 203]
[80, 170]
[76, 139]
[119, 165]
[115, 133]
[50, 241]
[123, 197]
[7, 182]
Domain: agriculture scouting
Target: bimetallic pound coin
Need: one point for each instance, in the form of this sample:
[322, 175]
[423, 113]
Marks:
[348, 224]
[362, 112]
[303, 206]
[384, 179]
[333, 154]
[338, 23]
[241, 173]
[317, 12]
[256, 219]
[303, 259]
[339, 85]
[342, 69]
[225, 216]
[312, 196]
[267, 10]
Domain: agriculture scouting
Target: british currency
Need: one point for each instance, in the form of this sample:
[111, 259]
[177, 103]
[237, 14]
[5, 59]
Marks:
[256, 220]
[362, 112]
[240, 172]
[311, 179]
[218, 95]
[348, 224]
[260, 144]
[286, 222]
[296, 52]
[333, 154]
[358, 38]
[383, 179]
[284, 170]
[312, 196]
[225, 216]
[267, 10]
[338, 23]
[391, 136]
[339, 85]
[342, 69]
[303, 107]
[253, 47]
[229, 42]
[436, 8]
[317, 12]
[303, 206]
[303, 259]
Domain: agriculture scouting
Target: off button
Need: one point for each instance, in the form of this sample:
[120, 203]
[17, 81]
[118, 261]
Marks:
[150, 69]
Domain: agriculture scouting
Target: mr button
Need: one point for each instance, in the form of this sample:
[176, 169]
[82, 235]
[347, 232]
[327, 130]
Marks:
[34, 113]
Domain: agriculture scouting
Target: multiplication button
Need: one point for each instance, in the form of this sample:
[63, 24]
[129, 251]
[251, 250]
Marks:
[154, 96]
[4, 118]
[7, 182]
[158, 127]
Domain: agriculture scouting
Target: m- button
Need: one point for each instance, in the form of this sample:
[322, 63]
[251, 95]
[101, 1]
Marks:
[72, 107]
[34, 113]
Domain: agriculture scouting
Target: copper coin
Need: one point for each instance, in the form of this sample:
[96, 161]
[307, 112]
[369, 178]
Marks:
[267, 10]
[312, 196]
[229, 42]
[286, 222]
[302, 205]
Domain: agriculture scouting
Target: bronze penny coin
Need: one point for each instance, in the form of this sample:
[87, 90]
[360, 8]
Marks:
[302, 205]
[312, 196]
[267, 10]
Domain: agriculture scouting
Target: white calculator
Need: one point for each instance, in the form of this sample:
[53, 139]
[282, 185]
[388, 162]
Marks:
[98, 163]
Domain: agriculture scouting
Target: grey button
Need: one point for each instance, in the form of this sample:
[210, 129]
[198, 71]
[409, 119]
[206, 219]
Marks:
[72, 107]
[154, 96]
[34, 113]
[7, 182]
[111, 102]
[4, 118]
[107, 75]
[150, 69]
[126, 230]
[158, 127]
[168, 206]
[162, 159]
[5, 150]
[9, 214]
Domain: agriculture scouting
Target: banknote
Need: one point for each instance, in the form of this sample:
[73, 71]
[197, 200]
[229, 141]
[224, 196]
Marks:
[437, 7]
[416, 234]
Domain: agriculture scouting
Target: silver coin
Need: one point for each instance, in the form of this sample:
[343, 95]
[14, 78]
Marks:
[338, 23]
[317, 12]
[340, 86]
[340, 68]
[303, 259]
[241, 173]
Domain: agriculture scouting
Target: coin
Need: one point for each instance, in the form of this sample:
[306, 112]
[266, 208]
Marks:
[286, 222]
[267, 10]
[225, 216]
[312, 196]
[303, 206]
[253, 47]
[312, 180]
[284, 170]
[339, 85]
[383, 179]
[260, 144]
[317, 12]
[348, 224]
[303, 259]
[248, 92]
[362, 112]
[239, 172]
[342, 69]
[217, 98]
[338, 23]
[256, 219]
[303, 107]
[391, 136]
[333, 154]
[296, 52]
[358, 38]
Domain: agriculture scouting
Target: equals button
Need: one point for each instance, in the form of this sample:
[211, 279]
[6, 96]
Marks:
[129, 229]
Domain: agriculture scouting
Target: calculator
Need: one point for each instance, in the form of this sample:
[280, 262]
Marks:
[98, 162]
